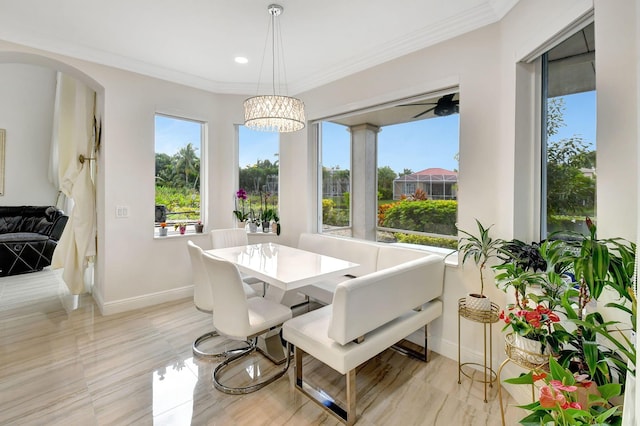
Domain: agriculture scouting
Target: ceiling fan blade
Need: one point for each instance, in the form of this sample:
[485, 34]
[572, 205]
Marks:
[424, 112]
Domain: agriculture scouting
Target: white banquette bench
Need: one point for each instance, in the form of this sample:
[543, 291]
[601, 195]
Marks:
[395, 292]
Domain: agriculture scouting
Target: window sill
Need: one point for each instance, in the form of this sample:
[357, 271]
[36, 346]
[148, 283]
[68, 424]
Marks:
[174, 234]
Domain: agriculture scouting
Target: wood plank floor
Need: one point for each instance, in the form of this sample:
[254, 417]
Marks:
[63, 363]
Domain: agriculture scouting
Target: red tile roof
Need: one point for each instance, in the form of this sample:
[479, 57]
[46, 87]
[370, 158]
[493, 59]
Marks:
[435, 171]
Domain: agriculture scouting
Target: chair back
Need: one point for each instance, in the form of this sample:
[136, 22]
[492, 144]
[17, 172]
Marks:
[202, 296]
[229, 300]
[233, 237]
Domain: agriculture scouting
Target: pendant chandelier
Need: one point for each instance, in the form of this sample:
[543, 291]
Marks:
[275, 112]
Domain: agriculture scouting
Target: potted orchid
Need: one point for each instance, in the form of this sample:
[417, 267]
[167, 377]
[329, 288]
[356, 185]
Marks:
[240, 213]
[267, 214]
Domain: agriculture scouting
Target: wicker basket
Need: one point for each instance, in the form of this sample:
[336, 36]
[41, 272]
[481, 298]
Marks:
[523, 357]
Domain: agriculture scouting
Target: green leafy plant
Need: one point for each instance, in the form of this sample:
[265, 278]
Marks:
[481, 248]
[267, 215]
[565, 398]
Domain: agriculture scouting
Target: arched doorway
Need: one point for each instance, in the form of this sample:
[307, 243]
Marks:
[95, 91]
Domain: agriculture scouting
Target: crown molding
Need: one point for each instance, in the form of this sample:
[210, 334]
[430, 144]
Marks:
[484, 14]
[472, 19]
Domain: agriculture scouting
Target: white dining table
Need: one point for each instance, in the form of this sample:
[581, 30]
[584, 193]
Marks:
[282, 266]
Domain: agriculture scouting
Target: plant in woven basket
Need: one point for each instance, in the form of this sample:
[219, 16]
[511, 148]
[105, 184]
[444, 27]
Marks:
[537, 323]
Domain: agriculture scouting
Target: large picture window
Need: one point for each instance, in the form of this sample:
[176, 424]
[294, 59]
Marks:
[569, 136]
[391, 173]
[178, 146]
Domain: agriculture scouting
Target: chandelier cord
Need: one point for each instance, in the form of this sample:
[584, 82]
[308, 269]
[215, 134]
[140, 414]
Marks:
[277, 113]
[273, 52]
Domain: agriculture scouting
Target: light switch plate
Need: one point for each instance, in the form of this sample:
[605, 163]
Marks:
[122, 211]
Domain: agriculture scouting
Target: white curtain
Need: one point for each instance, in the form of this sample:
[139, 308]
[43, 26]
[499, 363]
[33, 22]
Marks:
[74, 136]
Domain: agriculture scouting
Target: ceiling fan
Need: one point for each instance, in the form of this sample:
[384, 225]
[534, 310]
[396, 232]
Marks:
[445, 106]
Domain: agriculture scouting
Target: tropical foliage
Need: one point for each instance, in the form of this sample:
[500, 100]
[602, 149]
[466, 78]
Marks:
[566, 398]
[563, 281]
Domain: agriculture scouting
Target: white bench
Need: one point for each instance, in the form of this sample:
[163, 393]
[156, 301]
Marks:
[368, 314]
[369, 255]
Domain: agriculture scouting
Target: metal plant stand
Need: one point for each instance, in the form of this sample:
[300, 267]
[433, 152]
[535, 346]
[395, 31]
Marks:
[486, 318]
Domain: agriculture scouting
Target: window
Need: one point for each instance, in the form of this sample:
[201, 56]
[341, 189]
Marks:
[569, 144]
[390, 174]
[336, 182]
[418, 174]
[258, 171]
[178, 144]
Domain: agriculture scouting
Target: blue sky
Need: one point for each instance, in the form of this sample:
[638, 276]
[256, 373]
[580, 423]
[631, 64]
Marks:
[579, 117]
[172, 134]
[416, 146]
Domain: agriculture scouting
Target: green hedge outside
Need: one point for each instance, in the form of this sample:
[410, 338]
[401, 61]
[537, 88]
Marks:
[433, 216]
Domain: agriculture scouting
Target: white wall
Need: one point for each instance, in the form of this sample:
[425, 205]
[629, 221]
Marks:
[27, 94]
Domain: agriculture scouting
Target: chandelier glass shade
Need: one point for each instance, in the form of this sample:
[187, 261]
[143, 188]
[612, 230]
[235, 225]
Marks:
[274, 113]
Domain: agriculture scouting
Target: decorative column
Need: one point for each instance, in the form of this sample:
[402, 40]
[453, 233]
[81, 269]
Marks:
[364, 180]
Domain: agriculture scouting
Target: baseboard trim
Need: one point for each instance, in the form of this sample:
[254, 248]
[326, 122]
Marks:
[138, 302]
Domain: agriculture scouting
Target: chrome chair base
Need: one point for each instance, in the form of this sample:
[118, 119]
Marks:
[213, 355]
[250, 388]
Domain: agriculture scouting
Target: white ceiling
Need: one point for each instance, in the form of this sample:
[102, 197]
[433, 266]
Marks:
[194, 42]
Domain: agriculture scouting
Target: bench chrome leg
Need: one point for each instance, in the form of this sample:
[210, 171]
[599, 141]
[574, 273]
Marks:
[346, 415]
[422, 355]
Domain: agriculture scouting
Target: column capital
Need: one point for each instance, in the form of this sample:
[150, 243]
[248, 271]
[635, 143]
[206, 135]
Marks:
[365, 126]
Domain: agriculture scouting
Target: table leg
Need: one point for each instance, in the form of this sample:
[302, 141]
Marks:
[270, 345]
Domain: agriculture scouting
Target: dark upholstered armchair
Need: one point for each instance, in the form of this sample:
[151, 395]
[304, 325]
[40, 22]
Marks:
[28, 237]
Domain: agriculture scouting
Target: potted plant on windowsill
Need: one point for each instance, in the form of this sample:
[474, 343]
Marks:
[481, 248]
[254, 222]
[162, 231]
[199, 227]
[240, 213]
[180, 226]
[266, 217]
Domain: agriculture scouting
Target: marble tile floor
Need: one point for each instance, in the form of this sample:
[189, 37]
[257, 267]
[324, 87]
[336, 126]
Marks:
[63, 363]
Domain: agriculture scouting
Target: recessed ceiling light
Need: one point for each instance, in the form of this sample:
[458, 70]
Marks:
[241, 60]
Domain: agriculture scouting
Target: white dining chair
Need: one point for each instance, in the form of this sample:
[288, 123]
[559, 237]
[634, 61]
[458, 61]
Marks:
[203, 298]
[233, 237]
[239, 318]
